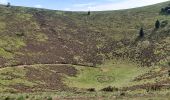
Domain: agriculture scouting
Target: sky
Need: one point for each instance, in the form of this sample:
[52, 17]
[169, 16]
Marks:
[82, 5]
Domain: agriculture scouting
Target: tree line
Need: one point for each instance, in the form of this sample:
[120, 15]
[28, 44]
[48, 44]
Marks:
[165, 10]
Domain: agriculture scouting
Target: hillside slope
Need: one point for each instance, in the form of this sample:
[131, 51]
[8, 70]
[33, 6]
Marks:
[45, 50]
[39, 36]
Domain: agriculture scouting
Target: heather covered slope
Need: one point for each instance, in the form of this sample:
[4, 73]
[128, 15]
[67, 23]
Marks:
[33, 36]
[45, 50]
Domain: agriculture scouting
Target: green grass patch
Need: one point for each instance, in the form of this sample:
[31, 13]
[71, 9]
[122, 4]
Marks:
[2, 26]
[12, 76]
[5, 54]
[116, 73]
[8, 45]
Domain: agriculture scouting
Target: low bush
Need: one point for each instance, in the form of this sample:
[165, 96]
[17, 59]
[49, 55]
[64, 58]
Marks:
[91, 90]
[169, 73]
[110, 89]
[164, 23]
[154, 88]
[169, 63]
[6, 98]
[122, 94]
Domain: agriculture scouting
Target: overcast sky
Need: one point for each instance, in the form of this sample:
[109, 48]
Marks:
[83, 5]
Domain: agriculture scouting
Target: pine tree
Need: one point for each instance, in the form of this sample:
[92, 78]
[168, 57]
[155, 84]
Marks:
[157, 24]
[89, 12]
[8, 4]
[141, 33]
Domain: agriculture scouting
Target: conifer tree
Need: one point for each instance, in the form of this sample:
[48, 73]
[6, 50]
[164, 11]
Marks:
[8, 4]
[89, 12]
[141, 33]
[157, 24]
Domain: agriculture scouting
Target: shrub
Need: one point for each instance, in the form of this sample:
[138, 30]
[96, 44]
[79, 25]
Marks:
[91, 90]
[164, 23]
[7, 98]
[169, 63]
[110, 89]
[26, 96]
[20, 34]
[154, 88]
[162, 10]
[122, 94]
[169, 73]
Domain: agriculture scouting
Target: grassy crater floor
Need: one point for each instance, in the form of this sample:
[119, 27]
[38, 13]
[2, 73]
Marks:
[119, 74]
